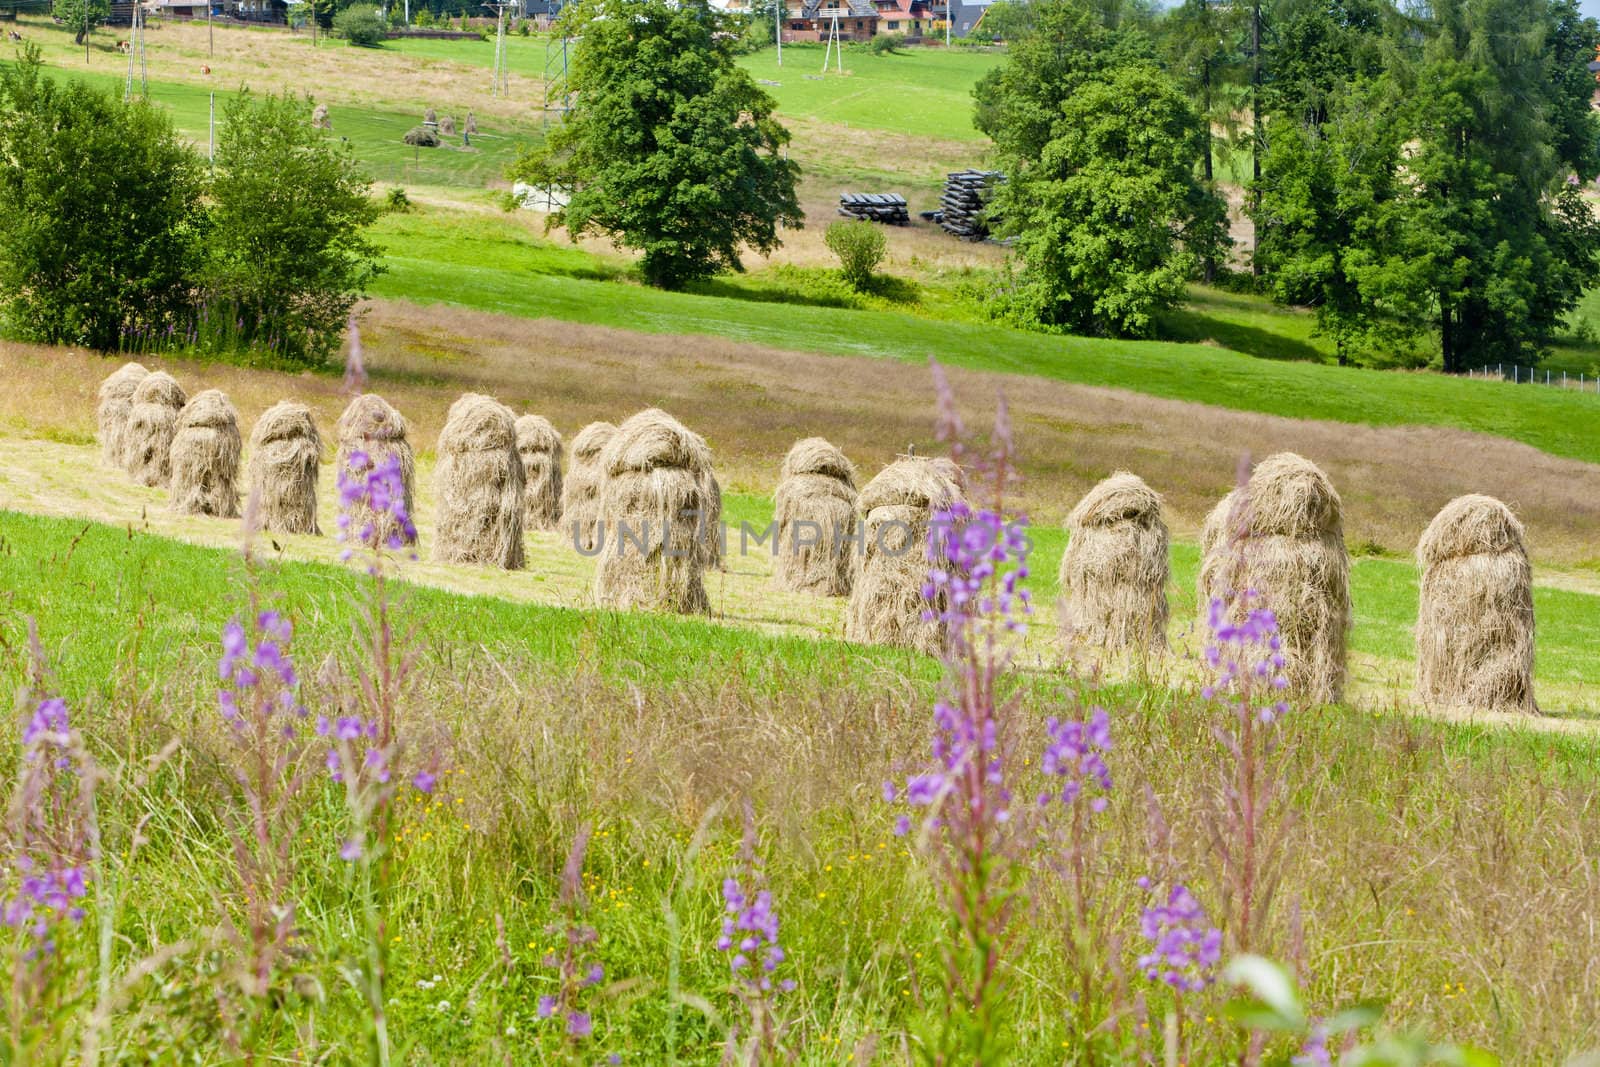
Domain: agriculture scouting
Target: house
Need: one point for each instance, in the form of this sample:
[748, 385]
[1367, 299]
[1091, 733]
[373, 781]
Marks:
[968, 15]
[860, 20]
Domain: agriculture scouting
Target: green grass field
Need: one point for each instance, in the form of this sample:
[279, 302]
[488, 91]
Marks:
[477, 262]
[652, 731]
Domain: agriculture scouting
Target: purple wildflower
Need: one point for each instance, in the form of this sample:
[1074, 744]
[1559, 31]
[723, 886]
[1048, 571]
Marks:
[381, 489]
[750, 932]
[1076, 753]
[978, 561]
[1248, 659]
[1314, 1053]
[1185, 947]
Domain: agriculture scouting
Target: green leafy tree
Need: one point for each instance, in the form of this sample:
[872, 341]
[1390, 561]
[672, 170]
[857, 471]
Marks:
[99, 210]
[1493, 244]
[288, 253]
[1325, 196]
[1108, 221]
[81, 16]
[361, 25]
[671, 149]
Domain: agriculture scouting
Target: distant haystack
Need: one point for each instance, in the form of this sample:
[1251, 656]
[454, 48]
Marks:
[580, 488]
[111, 413]
[1475, 610]
[541, 450]
[654, 492]
[152, 420]
[447, 126]
[1283, 539]
[372, 427]
[886, 601]
[816, 514]
[1114, 571]
[285, 457]
[320, 119]
[479, 481]
[205, 457]
[472, 124]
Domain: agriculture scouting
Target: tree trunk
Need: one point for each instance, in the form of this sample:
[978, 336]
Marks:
[81, 35]
[1447, 339]
[1256, 140]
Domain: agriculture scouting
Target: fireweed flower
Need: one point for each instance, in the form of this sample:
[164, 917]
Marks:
[977, 562]
[1076, 753]
[258, 678]
[1247, 658]
[750, 937]
[1314, 1053]
[380, 488]
[577, 971]
[51, 840]
[1185, 948]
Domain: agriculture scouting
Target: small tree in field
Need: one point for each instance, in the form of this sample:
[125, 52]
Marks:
[81, 16]
[671, 148]
[99, 209]
[860, 247]
[288, 254]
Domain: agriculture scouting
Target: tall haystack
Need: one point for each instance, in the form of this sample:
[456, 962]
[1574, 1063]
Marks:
[152, 420]
[1114, 571]
[654, 493]
[1475, 609]
[711, 533]
[111, 413]
[886, 601]
[447, 126]
[205, 457]
[370, 425]
[480, 486]
[580, 488]
[542, 452]
[1282, 538]
[285, 458]
[816, 515]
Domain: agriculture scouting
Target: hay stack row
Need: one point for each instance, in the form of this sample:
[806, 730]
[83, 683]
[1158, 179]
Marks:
[1278, 542]
[643, 498]
[887, 208]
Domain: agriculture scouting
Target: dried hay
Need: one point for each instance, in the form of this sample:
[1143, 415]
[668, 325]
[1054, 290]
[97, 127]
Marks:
[1282, 538]
[372, 426]
[712, 536]
[447, 126]
[541, 450]
[205, 457]
[320, 119]
[886, 601]
[816, 513]
[480, 485]
[111, 413]
[152, 420]
[1475, 621]
[580, 488]
[1114, 571]
[652, 505]
[285, 458]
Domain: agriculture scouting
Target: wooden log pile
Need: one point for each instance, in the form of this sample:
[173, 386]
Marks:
[966, 193]
[888, 208]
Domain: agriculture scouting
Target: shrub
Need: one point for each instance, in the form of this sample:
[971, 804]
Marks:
[886, 43]
[99, 205]
[860, 247]
[523, 28]
[290, 206]
[398, 201]
[423, 19]
[361, 25]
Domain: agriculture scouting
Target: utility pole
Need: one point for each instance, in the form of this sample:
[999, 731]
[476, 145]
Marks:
[1257, 142]
[211, 33]
[211, 135]
[949, 17]
[780, 11]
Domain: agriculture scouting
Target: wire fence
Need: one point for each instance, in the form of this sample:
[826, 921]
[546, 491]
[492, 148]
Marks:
[1520, 375]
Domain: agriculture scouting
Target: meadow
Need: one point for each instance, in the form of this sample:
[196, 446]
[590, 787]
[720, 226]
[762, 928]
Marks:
[572, 786]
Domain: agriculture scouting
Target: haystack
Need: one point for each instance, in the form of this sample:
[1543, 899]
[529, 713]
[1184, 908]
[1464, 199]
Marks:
[320, 119]
[816, 514]
[651, 505]
[152, 420]
[447, 126]
[472, 123]
[285, 457]
[1282, 538]
[541, 450]
[1114, 571]
[370, 425]
[580, 489]
[1475, 609]
[711, 532]
[479, 482]
[205, 457]
[111, 413]
[886, 601]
